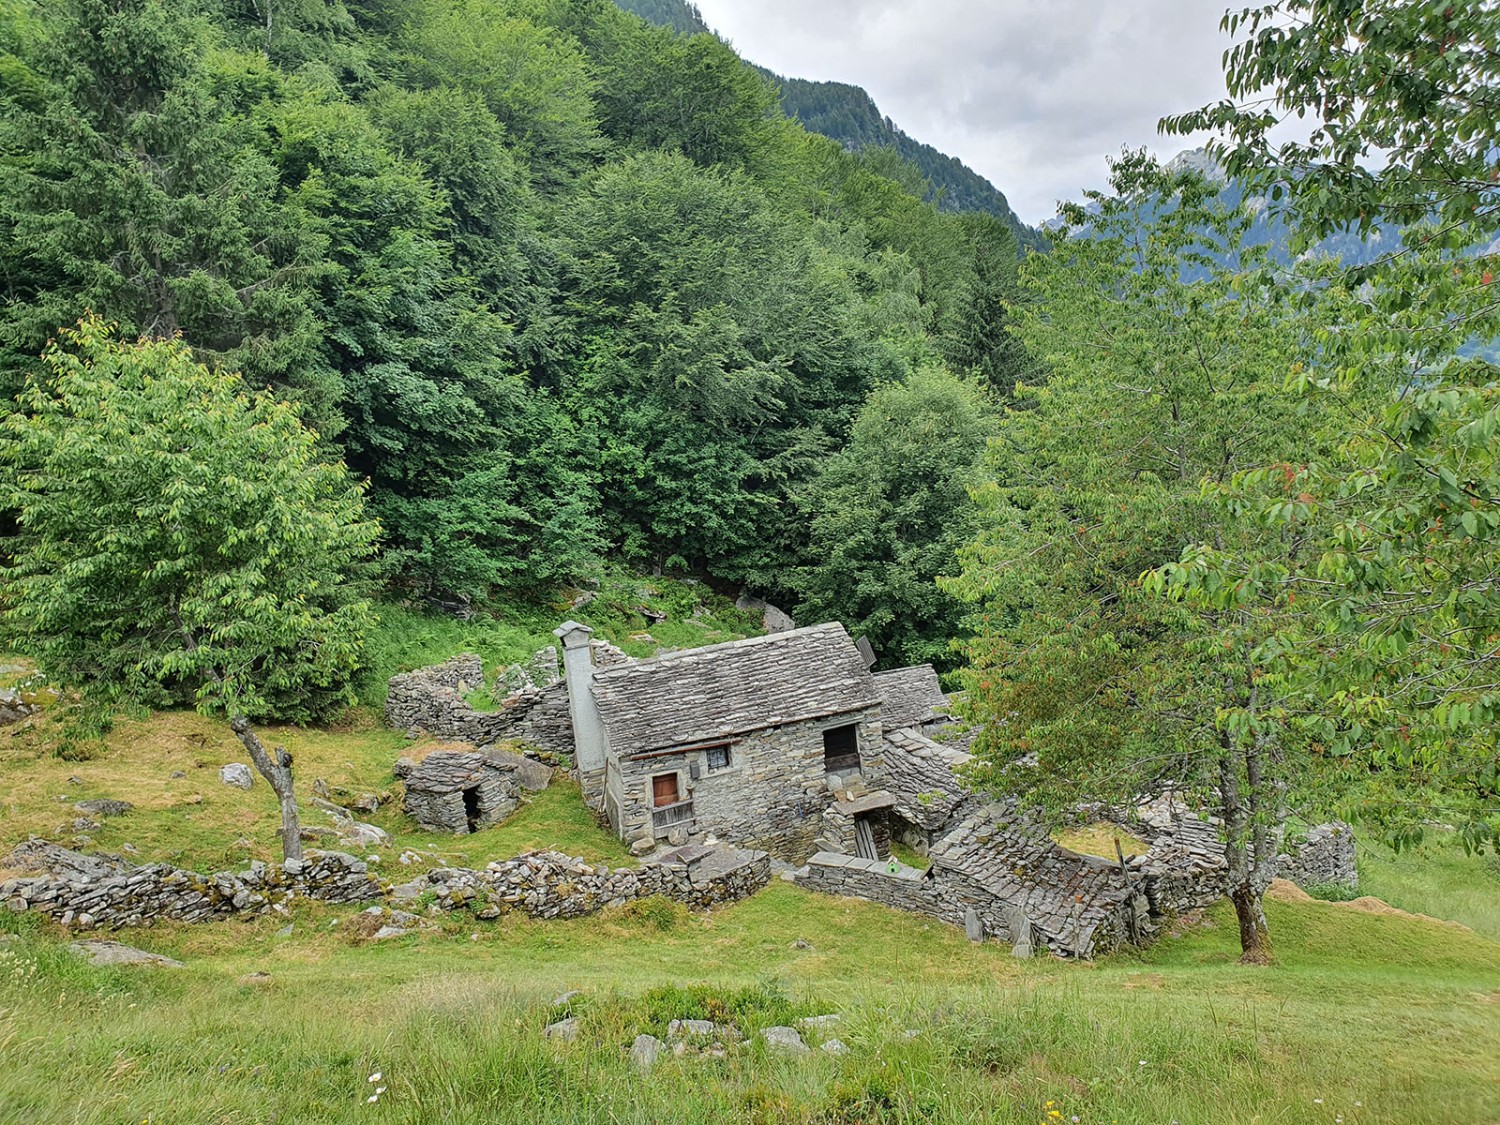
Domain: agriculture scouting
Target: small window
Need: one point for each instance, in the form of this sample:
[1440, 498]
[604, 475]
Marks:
[718, 758]
[841, 750]
[664, 790]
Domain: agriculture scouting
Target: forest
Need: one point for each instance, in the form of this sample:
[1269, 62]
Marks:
[310, 305]
[554, 283]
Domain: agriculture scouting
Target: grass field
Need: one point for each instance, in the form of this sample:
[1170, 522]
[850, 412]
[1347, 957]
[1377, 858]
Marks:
[1370, 1015]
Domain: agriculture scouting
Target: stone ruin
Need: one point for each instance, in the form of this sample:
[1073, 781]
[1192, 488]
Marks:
[1005, 878]
[431, 700]
[458, 792]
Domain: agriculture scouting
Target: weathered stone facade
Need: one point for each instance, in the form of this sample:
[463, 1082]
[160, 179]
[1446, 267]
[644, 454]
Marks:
[432, 700]
[458, 793]
[771, 796]
[552, 885]
[106, 892]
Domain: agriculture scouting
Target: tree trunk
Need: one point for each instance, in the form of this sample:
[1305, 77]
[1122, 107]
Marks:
[1255, 935]
[278, 773]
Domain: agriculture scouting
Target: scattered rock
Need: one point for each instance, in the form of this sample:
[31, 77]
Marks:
[691, 1029]
[407, 893]
[113, 953]
[389, 932]
[835, 1047]
[104, 807]
[365, 803]
[819, 1023]
[567, 998]
[645, 1051]
[320, 788]
[644, 846]
[177, 774]
[565, 1031]
[256, 978]
[238, 775]
[84, 824]
[75, 780]
[801, 943]
[285, 931]
[130, 849]
[784, 1039]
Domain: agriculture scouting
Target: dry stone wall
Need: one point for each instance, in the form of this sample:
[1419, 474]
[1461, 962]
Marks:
[430, 699]
[108, 893]
[552, 885]
[1325, 857]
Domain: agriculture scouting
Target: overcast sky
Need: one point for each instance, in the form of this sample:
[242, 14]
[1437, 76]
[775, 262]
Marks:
[1033, 94]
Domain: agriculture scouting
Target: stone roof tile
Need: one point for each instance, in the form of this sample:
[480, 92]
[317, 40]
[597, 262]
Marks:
[910, 697]
[707, 694]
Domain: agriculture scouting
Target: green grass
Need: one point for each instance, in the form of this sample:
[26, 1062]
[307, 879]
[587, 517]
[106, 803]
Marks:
[1376, 1019]
[1437, 879]
[1372, 1017]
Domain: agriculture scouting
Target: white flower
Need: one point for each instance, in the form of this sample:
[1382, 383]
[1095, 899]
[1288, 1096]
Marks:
[381, 1090]
[374, 1077]
[373, 1098]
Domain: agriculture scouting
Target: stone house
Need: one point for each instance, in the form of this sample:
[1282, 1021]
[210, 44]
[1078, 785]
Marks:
[774, 743]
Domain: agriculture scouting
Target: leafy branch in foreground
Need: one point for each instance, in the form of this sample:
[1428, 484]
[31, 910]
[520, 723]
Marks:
[1398, 638]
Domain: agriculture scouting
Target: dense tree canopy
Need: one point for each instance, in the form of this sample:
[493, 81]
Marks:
[553, 280]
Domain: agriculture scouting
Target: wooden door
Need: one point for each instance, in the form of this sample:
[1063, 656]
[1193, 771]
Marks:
[864, 838]
[664, 790]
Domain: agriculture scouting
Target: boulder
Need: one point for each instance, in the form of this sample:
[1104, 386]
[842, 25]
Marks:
[645, 1051]
[784, 1039]
[113, 953]
[238, 775]
[563, 1030]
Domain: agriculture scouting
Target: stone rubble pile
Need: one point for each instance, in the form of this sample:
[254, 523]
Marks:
[553, 885]
[108, 893]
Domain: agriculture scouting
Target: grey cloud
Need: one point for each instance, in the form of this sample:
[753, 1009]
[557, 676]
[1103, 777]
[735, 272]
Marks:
[1032, 94]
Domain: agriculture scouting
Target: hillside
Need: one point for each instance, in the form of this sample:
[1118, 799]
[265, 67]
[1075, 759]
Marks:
[301, 1016]
[848, 115]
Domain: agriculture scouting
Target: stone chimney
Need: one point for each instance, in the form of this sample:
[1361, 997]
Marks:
[589, 739]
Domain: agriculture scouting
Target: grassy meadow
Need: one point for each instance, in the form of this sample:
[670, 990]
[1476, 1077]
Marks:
[1371, 1015]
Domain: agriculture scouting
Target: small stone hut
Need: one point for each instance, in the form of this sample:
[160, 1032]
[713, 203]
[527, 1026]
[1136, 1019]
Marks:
[458, 792]
[752, 741]
[930, 799]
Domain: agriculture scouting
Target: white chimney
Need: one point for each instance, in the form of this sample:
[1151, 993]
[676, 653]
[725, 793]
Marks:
[589, 739]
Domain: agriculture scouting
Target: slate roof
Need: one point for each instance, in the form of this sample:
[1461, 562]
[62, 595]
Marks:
[449, 771]
[1066, 896]
[910, 697]
[709, 694]
[920, 773]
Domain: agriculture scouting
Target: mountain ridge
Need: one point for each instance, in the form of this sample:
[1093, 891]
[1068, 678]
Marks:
[846, 113]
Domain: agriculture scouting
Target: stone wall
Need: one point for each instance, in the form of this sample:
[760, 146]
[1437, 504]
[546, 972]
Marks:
[431, 700]
[552, 885]
[1325, 857]
[105, 892]
[1186, 869]
[994, 867]
[771, 797]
